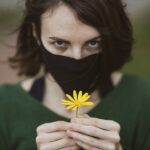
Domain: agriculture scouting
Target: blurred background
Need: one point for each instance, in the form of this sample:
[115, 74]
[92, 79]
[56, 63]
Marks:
[11, 12]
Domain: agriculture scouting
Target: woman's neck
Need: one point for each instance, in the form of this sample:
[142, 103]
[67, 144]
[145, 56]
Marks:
[54, 94]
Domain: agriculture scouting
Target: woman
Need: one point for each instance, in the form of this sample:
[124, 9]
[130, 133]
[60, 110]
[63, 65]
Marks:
[80, 45]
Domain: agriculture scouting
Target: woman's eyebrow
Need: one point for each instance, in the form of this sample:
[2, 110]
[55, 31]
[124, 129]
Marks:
[60, 39]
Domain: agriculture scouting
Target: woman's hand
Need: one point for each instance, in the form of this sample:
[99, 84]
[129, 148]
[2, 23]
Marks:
[95, 134]
[53, 136]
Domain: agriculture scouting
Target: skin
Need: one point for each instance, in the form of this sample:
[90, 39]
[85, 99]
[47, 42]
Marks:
[96, 134]
[70, 29]
[84, 132]
[53, 136]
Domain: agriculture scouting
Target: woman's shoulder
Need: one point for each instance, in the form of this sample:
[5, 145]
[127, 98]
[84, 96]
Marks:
[141, 103]
[7, 94]
[135, 77]
[14, 91]
[137, 111]
[10, 88]
[8, 91]
[138, 89]
[7, 88]
[136, 82]
[134, 89]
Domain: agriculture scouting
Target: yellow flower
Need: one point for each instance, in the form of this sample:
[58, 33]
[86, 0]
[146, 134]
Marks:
[77, 100]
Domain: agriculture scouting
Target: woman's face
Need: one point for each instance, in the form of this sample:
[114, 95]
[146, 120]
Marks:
[62, 33]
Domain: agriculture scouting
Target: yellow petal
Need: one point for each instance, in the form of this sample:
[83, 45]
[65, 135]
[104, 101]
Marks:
[66, 101]
[87, 104]
[69, 107]
[70, 103]
[75, 95]
[67, 104]
[75, 108]
[85, 95]
[83, 99]
[79, 95]
[70, 97]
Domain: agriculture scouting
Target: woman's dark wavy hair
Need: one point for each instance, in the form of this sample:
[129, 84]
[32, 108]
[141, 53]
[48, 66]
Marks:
[107, 16]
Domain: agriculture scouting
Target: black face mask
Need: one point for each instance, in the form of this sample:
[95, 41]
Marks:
[72, 74]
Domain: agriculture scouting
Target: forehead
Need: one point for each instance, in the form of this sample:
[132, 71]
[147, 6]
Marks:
[64, 23]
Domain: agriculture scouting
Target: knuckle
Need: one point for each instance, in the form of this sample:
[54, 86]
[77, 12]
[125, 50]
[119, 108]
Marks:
[95, 122]
[38, 140]
[117, 138]
[79, 127]
[116, 125]
[67, 141]
[74, 148]
[95, 131]
[60, 124]
[111, 147]
[114, 137]
[44, 147]
[113, 122]
[39, 128]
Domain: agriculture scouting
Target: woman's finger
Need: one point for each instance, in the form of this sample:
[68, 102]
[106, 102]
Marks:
[86, 146]
[76, 147]
[78, 120]
[84, 116]
[46, 137]
[99, 123]
[52, 127]
[112, 136]
[97, 143]
[66, 142]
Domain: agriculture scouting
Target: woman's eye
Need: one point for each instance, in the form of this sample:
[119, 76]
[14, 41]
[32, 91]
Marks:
[93, 45]
[60, 45]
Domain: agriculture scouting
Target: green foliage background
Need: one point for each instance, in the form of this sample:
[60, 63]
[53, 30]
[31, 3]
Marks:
[141, 50]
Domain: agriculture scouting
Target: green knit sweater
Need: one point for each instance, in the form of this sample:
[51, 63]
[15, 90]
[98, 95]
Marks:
[127, 104]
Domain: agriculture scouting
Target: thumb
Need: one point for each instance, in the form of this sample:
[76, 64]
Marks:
[86, 116]
[77, 120]
[83, 116]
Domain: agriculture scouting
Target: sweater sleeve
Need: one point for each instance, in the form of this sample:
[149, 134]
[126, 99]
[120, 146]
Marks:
[4, 145]
[138, 138]
[142, 136]
[3, 139]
